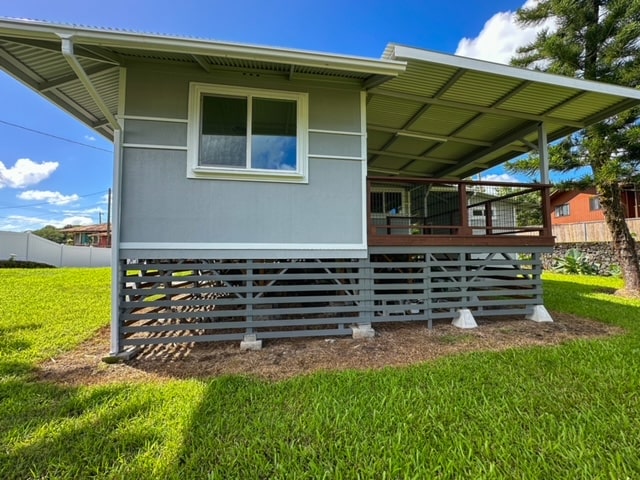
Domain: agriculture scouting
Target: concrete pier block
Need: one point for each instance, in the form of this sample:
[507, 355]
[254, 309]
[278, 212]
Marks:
[540, 314]
[362, 330]
[464, 319]
[250, 342]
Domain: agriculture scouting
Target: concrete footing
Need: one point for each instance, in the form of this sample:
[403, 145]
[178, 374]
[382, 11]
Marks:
[250, 342]
[123, 356]
[362, 330]
[540, 314]
[464, 319]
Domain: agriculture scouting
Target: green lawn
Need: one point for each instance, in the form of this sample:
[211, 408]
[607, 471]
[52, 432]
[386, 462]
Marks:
[571, 411]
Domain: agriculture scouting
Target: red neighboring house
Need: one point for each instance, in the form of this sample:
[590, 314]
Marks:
[584, 206]
[90, 235]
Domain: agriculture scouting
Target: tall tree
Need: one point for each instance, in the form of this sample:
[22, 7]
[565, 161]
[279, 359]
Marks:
[594, 40]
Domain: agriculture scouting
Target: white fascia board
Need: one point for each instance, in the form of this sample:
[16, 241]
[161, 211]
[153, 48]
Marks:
[399, 52]
[192, 46]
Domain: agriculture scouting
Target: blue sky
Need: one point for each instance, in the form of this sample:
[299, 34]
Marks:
[44, 180]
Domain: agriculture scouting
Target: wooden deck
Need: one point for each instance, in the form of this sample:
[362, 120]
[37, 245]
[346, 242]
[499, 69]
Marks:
[430, 212]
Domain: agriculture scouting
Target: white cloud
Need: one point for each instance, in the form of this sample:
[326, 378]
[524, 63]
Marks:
[90, 138]
[20, 223]
[86, 211]
[499, 177]
[500, 37]
[54, 198]
[25, 172]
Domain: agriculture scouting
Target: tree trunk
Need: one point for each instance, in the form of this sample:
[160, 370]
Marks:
[623, 243]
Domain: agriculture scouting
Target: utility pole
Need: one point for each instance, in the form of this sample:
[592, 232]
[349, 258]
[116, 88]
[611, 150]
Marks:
[109, 217]
[99, 218]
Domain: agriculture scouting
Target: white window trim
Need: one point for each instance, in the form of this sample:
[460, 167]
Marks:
[195, 170]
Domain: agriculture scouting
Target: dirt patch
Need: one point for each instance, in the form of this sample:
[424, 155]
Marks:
[396, 344]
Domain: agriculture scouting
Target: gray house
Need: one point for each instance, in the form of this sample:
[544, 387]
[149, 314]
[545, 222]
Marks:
[263, 193]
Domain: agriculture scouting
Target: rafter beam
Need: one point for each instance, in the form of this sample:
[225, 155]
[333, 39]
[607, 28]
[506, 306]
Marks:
[202, 62]
[475, 108]
[428, 136]
[72, 77]
[68, 52]
[407, 156]
[500, 144]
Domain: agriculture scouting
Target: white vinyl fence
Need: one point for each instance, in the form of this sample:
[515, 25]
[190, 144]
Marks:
[27, 246]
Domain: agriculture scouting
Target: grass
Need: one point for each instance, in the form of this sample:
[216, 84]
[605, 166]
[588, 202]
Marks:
[570, 411]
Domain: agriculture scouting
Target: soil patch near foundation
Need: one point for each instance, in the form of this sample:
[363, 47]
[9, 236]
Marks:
[397, 344]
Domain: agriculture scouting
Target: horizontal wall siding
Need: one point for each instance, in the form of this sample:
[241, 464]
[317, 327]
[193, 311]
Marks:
[173, 301]
[163, 209]
[162, 205]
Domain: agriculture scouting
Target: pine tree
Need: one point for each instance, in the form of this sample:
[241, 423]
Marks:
[594, 40]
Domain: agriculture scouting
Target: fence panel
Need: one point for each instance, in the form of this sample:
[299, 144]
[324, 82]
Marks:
[590, 231]
[30, 247]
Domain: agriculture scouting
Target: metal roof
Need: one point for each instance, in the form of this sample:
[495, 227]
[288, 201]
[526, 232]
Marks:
[428, 114]
[32, 52]
[449, 116]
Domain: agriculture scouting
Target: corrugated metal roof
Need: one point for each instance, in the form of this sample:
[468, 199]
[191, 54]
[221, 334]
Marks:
[427, 113]
[30, 50]
[464, 100]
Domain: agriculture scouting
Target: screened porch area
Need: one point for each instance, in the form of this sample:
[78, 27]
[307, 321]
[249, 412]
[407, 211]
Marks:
[410, 211]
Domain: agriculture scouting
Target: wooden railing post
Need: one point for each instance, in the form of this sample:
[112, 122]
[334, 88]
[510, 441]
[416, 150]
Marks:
[464, 211]
[488, 218]
[546, 211]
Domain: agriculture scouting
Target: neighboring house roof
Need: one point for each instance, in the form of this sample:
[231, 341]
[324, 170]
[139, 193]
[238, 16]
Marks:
[428, 114]
[101, 228]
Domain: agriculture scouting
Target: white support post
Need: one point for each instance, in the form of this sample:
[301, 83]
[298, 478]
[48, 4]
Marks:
[115, 244]
[543, 152]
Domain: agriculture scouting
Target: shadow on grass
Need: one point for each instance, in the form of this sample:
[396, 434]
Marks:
[50, 431]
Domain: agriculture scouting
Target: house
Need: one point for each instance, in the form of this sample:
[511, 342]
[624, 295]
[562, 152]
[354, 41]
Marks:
[584, 206]
[90, 235]
[251, 183]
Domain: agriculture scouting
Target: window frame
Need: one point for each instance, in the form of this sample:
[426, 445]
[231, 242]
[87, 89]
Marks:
[560, 210]
[195, 170]
[594, 203]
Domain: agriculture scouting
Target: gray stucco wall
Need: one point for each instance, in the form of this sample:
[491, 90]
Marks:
[162, 206]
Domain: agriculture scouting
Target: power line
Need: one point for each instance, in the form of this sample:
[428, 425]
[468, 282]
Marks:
[39, 132]
[49, 203]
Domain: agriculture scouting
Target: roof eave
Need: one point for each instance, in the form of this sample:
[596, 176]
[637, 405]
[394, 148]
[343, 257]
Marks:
[151, 42]
[400, 52]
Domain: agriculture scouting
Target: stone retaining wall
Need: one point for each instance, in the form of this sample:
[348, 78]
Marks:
[597, 253]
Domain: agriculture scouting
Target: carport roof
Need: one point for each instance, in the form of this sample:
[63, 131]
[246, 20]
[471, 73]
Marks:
[428, 114]
[450, 116]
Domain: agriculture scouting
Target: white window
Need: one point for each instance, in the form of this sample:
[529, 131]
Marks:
[562, 210]
[594, 203]
[247, 134]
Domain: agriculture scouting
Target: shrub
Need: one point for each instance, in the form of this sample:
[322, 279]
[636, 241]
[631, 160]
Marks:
[575, 262]
[13, 263]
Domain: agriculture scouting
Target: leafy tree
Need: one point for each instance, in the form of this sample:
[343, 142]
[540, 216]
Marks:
[594, 40]
[51, 233]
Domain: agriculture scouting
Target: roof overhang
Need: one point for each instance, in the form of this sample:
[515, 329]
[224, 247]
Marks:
[450, 116]
[77, 67]
[428, 114]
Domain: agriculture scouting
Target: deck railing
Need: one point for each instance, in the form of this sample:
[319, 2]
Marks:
[410, 211]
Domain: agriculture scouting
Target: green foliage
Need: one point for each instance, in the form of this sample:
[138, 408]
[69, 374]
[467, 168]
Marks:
[12, 263]
[594, 40]
[51, 233]
[615, 271]
[569, 411]
[575, 262]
